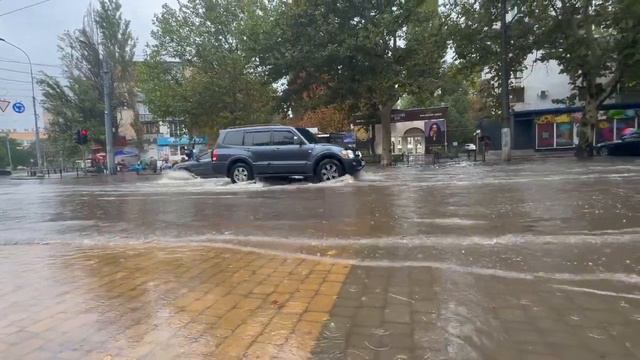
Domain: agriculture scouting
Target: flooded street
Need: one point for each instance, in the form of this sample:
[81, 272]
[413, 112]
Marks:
[531, 260]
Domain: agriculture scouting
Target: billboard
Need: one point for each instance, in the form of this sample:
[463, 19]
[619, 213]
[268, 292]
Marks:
[435, 132]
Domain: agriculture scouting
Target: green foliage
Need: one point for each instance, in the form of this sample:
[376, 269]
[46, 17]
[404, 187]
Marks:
[78, 102]
[19, 156]
[361, 55]
[473, 28]
[457, 93]
[200, 70]
[596, 43]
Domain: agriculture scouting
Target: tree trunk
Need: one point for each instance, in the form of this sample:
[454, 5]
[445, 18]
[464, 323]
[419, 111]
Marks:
[584, 149]
[385, 134]
[505, 74]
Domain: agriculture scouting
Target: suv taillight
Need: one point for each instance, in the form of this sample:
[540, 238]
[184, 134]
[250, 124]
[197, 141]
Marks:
[214, 155]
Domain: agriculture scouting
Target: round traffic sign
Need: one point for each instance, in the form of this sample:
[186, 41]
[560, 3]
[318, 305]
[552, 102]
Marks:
[18, 107]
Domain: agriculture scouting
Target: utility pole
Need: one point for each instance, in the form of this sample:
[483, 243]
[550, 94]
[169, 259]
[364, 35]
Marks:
[504, 84]
[33, 97]
[108, 126]
[9, 152]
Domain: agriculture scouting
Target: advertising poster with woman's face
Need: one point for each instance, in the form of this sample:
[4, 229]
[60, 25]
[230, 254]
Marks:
[434, 132]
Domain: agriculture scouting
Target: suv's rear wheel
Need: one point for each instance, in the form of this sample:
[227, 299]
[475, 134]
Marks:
[328, 170]
[240, 173]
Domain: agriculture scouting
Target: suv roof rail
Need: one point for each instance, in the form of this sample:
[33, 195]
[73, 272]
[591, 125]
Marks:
[252, 125]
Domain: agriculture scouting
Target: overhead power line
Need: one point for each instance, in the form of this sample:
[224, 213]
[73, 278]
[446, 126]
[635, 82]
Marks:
[13, 80]
[27, 73]
[25, 7]
[26, 63]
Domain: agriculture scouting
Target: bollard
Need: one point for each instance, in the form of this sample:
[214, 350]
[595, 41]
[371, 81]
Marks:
[77, 172]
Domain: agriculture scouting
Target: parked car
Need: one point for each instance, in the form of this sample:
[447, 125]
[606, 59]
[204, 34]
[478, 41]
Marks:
[628, 145]
[245, 153]
[469, 147]
[200, 166]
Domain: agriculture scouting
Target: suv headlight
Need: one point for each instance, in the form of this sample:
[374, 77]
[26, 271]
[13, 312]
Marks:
[347, 154]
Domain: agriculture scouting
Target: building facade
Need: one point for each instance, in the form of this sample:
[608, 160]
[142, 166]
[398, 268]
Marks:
[165, 139]
[409, 131]
[540, 122]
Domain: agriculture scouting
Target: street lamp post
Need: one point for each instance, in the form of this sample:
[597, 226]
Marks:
[33, 97]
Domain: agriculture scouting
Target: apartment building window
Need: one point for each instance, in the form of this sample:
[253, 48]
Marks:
[517, 87]
[150, 127]
[516, 79]
[175, 128]
[517, 94]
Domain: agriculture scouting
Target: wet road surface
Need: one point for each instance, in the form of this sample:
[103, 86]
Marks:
[534, 259]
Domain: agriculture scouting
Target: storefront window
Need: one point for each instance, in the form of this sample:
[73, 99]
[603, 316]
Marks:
[604, 131]
[564, 134]
[545, 135]
[396, 144]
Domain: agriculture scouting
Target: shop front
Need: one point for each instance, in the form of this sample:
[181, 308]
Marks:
[174, 148]
[557, 129]
[413, 131]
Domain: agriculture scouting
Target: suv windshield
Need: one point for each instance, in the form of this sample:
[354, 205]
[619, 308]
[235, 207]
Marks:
[308, 135]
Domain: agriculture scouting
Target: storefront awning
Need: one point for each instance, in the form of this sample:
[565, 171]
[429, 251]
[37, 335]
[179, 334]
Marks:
[181, 141]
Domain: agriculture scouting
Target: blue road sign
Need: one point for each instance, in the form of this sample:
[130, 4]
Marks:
[18, 107]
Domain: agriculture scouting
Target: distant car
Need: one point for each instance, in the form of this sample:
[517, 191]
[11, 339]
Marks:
[200, 166]
[470, 147]
[245, 153]
[629, 145]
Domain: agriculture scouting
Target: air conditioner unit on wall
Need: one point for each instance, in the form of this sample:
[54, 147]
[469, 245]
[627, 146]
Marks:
[543, 94]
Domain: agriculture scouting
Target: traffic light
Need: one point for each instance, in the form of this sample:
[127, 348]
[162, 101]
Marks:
[81, 137]
[84, 136]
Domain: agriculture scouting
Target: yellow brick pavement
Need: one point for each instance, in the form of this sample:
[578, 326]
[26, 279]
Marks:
[161, 302]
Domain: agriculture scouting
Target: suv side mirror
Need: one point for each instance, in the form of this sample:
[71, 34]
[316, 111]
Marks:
[297, 141]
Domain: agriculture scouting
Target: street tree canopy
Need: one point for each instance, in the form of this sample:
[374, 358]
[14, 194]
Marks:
[78, 101]
[473, 28]
[361, 55]
[596, 43]
[199, 69]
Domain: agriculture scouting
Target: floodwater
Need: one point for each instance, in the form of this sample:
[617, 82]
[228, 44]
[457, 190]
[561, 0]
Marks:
[536, 259]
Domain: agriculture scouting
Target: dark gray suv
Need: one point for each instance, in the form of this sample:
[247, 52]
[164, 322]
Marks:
[245, 153]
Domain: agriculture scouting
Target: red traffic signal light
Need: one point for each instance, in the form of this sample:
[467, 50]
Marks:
[82, 137]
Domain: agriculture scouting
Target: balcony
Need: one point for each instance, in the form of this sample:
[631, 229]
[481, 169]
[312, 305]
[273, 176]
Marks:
[146, 117]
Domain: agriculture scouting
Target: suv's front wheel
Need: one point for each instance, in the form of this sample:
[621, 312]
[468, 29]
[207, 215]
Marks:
[328, 170]
[240, 173]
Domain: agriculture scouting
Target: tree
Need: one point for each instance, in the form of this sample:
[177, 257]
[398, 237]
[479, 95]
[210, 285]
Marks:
[19, 156]
[330, 119]
[597, 44]
[456, 91]
[476, 34]
[200, 70]
[360, 55]
[78, 102]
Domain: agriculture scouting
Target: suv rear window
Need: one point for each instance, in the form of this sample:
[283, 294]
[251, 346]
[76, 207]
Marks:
[233, 138]
[257, 138]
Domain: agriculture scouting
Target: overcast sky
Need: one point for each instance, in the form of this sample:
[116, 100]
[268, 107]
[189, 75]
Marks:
[36, 30]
